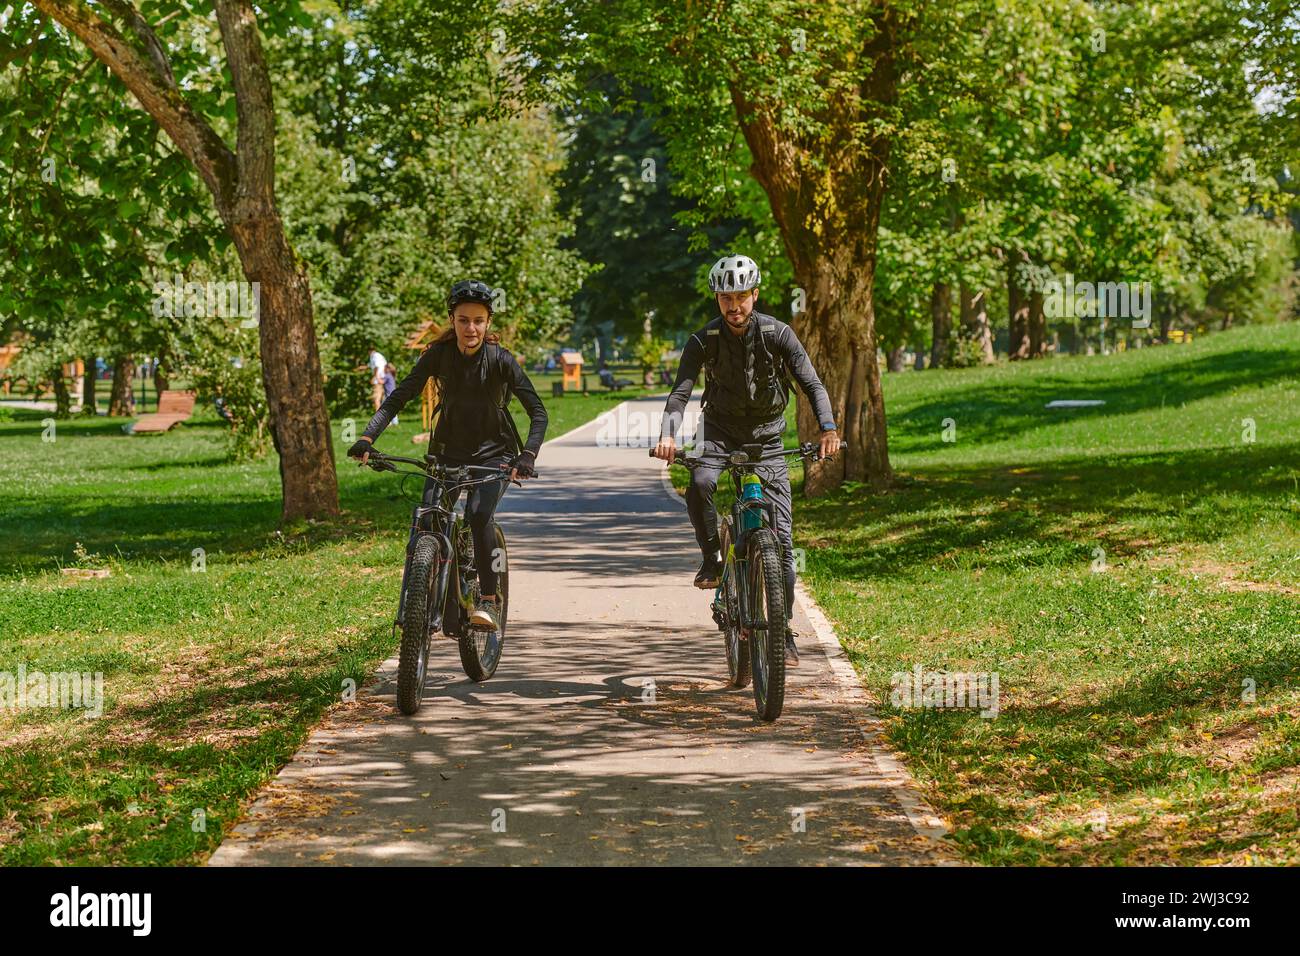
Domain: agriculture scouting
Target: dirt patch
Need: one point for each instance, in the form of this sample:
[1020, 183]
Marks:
[1230, 577]
[1229, 749]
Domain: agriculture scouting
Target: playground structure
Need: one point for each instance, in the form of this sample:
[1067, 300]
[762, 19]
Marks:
[420, 340]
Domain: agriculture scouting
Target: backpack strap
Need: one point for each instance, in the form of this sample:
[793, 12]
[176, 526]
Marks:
[712, 333]
[768, 333]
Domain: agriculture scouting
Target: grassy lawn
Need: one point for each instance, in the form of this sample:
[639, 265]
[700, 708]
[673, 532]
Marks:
[1131, 572]
[212, 677]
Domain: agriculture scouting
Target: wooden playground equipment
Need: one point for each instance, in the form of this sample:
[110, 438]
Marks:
[421, 339]
[571, 362]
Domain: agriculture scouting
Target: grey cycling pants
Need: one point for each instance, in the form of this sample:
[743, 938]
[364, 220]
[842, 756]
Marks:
[715, 442]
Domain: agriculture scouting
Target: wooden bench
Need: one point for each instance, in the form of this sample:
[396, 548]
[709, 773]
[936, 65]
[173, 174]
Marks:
[173, 408]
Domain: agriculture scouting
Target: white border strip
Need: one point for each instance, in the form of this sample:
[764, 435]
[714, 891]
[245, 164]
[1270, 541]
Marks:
[666, 482]
[924, 820]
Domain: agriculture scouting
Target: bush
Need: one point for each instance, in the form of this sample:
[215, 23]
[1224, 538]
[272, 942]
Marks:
[650, 353]
[223, 362]
[965, 353]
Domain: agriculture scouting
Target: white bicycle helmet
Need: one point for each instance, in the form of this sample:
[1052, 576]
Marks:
[734, 274]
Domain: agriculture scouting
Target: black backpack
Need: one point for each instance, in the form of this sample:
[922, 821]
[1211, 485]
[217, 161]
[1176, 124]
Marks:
[766, 326]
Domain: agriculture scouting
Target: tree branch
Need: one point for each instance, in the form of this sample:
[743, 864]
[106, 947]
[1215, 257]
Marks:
[253, 101]
[22, 52]
[59, 103]
[189, 131]
[140, 27]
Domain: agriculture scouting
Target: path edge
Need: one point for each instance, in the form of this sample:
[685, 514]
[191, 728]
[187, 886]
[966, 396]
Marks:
[923, 818]
[925, 821]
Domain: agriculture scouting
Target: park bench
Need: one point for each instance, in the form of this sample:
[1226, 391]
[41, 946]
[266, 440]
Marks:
[173, 407]
[611, 383]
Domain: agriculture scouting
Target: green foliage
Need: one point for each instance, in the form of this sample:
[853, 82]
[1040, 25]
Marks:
[220, 359]
[400, 180]
[650, 352]
[622, 191]
[1025, 134]
[97, 197]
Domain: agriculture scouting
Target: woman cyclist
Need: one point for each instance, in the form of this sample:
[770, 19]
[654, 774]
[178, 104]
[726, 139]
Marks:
[475, 377]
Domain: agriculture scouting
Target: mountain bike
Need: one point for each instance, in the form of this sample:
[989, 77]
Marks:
[439, 581]
[749, 603]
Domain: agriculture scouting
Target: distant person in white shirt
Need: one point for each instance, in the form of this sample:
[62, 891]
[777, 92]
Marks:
[377, 366]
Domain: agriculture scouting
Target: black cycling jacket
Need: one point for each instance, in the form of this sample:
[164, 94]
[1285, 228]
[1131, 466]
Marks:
[782, 344]
[473, 392]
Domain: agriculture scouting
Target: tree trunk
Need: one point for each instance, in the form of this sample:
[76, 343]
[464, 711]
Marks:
[1017, 314]
[162, 372]
[1037, 325]
[62, 394]
[830, 234]
[941, 321]
[895, 359]
[88, 387]
[242, 184]
[291, 369]
[843, 350]
[975, 322]
[121, 398]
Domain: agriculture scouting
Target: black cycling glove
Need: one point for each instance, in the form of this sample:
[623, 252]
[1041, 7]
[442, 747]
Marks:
[523, 463]
[360, 448]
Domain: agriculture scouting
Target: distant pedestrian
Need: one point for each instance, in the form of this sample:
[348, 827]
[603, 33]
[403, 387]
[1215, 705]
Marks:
[390, 383]
[377, 365]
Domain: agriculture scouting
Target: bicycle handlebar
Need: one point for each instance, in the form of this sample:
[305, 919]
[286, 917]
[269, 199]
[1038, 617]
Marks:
[430, 467]
[809, 450]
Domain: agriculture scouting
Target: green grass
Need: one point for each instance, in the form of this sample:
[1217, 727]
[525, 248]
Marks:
[1123, 569]
[212, 678]
[1121, 690]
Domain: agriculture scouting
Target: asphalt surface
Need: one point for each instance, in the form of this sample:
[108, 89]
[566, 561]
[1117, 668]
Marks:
[608, 735]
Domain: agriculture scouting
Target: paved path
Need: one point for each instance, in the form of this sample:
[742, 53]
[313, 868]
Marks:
[565, 756]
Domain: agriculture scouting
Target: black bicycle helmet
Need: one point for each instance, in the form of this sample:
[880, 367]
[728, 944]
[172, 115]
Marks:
[470, 290]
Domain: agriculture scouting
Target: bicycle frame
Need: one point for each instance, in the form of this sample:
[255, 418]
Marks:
[748, 514]
[446, 553]
[434, 515]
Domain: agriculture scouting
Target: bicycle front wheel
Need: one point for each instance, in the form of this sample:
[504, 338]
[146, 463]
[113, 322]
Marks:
[417, 617]
[732, 637]
[480, 649]
[767, 615]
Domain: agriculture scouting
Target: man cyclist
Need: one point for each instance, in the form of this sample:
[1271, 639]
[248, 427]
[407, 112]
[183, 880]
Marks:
[750, 358]
[475, 378]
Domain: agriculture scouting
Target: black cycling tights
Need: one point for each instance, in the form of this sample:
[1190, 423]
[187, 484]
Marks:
[480, 506]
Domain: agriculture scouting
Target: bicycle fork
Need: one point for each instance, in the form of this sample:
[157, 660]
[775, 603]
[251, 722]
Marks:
[444, 570]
